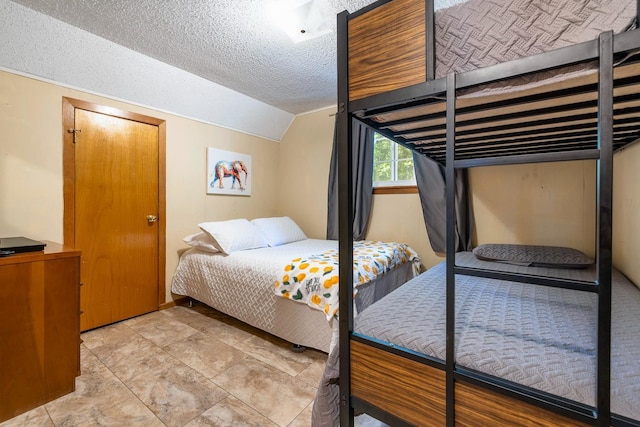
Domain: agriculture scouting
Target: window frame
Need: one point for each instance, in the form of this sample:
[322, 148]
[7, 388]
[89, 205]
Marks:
[393, 186]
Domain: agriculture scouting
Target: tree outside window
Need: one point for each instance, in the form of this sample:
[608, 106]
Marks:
[392, 163]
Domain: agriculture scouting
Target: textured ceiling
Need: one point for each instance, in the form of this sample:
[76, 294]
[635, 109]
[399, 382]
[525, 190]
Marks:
[229, 42]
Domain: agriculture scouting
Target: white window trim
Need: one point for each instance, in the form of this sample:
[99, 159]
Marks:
[394, 171]
[394, 183]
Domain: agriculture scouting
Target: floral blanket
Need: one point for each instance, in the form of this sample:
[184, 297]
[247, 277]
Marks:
[314, 279]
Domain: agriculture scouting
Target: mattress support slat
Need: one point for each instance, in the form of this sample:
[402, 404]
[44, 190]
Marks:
[584, 122]
[529, 158]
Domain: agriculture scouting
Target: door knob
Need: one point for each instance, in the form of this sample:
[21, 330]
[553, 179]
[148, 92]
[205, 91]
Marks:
[152, 218]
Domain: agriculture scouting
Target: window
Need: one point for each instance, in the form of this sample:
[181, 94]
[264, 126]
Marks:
[392, 163]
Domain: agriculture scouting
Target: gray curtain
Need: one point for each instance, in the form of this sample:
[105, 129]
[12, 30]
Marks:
[430, 177]
[362, 146]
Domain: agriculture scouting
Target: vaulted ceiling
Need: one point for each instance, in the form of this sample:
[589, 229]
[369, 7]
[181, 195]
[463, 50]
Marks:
[230, 42]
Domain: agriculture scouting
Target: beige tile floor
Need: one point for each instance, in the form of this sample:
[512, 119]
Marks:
[187, 367]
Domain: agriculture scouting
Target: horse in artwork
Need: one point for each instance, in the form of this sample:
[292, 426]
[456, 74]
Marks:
[224, 169]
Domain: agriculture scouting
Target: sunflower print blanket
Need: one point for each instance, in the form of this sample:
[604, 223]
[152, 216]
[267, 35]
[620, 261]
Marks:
[313, 280]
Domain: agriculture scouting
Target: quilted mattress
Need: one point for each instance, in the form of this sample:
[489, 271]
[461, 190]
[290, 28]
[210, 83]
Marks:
[242, 286]
[480, 33]
[537, 336]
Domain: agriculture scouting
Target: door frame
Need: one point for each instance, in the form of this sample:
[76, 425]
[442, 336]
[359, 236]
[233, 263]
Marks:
[69, 105]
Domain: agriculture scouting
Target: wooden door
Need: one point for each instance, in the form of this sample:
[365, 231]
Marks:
[116, 214]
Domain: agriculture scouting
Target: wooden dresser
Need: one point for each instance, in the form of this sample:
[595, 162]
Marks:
[39, 327]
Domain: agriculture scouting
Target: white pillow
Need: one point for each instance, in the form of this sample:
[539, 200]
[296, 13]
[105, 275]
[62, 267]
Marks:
[233, 235]
[279, 230]
[201, 241]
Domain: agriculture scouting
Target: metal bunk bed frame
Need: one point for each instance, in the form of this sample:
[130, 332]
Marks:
[602, 50]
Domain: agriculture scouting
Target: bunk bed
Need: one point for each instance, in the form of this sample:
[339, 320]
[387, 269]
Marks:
[573, 101]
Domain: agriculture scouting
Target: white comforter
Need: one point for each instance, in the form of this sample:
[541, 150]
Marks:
[242, 285]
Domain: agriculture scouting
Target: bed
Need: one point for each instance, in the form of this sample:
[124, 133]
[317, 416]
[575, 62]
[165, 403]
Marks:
[557, 81]
[537, 336]
[248, 278]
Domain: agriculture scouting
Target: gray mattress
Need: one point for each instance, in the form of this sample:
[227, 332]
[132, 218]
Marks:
[480, 33]
[537, 336]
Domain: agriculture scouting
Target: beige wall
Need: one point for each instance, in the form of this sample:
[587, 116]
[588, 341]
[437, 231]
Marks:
[305, 154]
[304, 157]
[398, 218]
[555, 204]
[544, 203]
[626, 212]
[31, 201]
[538, 204]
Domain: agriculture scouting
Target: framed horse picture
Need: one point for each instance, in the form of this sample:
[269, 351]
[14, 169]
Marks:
[228, 172]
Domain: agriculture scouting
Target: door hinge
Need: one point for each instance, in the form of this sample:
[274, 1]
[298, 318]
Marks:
[75, 133]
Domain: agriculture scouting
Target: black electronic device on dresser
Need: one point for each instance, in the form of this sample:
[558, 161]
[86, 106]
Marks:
[12, 245]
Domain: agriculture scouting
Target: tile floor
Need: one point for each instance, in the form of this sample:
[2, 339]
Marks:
[187, 367]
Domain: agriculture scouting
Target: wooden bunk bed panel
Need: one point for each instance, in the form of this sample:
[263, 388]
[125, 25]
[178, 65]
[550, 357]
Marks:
[476, 406]
[387, 41]
[410, 390]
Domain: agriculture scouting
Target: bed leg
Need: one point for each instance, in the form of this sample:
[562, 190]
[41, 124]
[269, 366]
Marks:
[297, 348]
